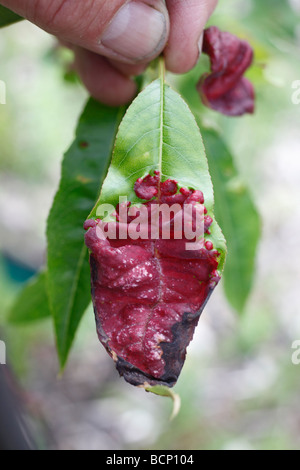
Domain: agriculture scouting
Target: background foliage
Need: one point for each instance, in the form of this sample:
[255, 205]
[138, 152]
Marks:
[239, 388]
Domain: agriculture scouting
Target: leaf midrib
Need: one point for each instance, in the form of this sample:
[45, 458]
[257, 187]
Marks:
[160, 156]
[161, 130]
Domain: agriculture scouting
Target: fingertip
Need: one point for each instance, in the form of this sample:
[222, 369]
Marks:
[103, 81]
[128, 69]
[183, 58]
[188, 20]
[137, 33]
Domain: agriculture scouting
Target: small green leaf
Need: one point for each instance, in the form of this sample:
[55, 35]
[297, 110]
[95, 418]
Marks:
[83, 170]
[238, 219]
[32, 303]
[163, 391]
[159, 133]
[8, 17]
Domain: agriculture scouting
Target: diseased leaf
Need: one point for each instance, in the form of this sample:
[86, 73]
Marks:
[225, 89]
[149, 293]
[32, 303]
[238, 219]
[83, 170]
[8, 17]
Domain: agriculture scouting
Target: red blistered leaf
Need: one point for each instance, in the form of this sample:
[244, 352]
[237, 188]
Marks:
[225, 89]
[236, 102]
[148, 294]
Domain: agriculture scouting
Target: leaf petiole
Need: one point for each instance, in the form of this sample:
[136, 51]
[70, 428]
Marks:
[163, 391]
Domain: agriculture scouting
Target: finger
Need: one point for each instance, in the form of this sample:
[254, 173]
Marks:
[128, 69]
[138, 32]
[188, 19]
[128, 31]
[103, 81]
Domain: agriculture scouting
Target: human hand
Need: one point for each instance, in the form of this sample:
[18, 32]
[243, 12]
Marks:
[114, 40]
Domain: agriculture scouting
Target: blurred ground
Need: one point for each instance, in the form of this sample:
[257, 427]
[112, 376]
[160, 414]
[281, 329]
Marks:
[239, 388]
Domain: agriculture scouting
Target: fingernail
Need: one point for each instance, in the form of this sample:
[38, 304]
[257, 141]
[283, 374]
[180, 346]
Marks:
[137, 32]
[200, 44]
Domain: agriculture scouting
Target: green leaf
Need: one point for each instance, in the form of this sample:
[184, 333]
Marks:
[159, 133]
[32, 303]
[83, 170]
[238, 219]
[8, 17]
[163, 391]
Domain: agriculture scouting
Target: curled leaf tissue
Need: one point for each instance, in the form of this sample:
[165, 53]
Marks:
[148, 293]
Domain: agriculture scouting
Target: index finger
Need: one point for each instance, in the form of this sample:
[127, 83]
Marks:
[188, 19]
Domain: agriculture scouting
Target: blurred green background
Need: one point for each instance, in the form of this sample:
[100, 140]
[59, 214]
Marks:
[239, 388]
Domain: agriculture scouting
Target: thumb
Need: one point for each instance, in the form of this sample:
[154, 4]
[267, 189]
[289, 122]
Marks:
[127, 31]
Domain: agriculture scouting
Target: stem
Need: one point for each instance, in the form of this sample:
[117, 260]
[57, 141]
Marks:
[155, 70]
[162, 68]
